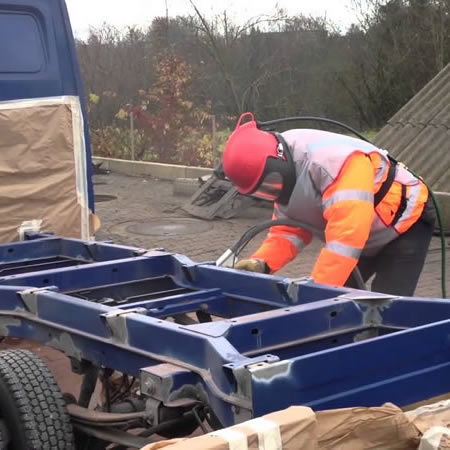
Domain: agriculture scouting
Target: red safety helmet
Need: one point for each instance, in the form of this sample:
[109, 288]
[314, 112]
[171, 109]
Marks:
[258, 162]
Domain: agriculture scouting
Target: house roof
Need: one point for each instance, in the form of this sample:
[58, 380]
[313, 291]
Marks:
[419, 133]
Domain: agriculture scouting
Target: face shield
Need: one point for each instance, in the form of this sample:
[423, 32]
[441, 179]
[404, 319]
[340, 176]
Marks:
[270, 187]
[279, 175]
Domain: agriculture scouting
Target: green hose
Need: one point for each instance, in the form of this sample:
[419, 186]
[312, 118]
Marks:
[441, 234]
[441, 231]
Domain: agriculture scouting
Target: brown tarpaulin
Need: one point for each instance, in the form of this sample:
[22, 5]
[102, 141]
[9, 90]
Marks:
[38, 167]
[378, 428]
[299, 428]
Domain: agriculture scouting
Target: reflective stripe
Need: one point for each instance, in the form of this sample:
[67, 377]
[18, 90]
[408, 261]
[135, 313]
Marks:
[414, 194]
[341, 141]
[343, 249]
[296, 241]
[348, 194]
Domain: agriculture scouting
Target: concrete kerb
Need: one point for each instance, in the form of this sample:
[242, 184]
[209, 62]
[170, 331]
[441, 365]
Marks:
[155, 170]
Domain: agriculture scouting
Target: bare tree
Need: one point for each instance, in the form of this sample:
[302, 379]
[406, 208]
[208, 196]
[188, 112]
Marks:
[220, 38]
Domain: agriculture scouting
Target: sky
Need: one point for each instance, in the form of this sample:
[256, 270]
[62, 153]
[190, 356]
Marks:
[93, 13]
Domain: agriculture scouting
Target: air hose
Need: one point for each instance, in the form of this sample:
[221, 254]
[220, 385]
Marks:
[237, 248]
[229, 256]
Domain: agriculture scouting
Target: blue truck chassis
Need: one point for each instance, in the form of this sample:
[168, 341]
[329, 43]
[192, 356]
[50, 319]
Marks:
[232, 345]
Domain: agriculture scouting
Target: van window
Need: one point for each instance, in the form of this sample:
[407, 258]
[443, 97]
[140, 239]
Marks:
[21, 47]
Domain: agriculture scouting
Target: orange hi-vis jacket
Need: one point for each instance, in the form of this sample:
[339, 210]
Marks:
[337, 179]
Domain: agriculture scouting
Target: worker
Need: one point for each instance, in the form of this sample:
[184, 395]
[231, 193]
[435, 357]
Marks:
[370, 211]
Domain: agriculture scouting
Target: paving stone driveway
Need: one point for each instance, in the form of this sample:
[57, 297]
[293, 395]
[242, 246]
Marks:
[142, 199]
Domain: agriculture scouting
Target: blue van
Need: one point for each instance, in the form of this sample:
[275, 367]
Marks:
[38, 61]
